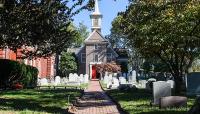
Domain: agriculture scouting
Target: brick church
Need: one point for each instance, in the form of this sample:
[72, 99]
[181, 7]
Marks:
[95, 50]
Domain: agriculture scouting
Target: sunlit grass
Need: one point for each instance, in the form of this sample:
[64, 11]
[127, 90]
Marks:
[32, 101]
[138, 102]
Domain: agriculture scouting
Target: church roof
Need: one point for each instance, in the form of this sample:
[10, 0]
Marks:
[96, 37]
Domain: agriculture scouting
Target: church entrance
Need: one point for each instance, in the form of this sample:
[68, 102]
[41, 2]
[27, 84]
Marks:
[95, 74]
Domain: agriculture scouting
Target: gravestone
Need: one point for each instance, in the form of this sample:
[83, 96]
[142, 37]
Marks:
[43, 82]
[134, 76]
[114, 74]
[173, 101]
[193, 83]
[86, 78]
[38, 82]
[76, 77]
[122, 80]
[57, 80]
[110, 77]
[81, 78]
[172, 83]
[105, 79]
[71, 77]
[142, 83]
[160, 89]
[109, 84]
[115, 83]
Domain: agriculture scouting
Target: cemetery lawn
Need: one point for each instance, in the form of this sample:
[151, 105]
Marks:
[30, 101]
[138, 102]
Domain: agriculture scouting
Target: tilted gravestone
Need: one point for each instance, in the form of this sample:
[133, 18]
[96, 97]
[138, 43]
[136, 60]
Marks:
[173, 101]
[160, 89]
[193, 83]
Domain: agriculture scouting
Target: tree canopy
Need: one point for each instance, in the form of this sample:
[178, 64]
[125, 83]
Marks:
[165, 29]
[41, 24]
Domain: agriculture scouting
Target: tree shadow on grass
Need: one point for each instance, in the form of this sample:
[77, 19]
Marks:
[27, 104]
[50, 101]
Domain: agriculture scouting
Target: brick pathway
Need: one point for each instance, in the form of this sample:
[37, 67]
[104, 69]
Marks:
[95, 101]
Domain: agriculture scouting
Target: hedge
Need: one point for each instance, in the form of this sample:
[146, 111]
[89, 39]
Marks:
[12, 72]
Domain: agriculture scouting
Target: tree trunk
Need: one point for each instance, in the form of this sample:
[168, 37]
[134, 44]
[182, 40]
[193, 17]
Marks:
[178, 84]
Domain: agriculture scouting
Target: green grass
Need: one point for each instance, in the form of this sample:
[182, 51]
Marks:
[138, 102]
[30, 101]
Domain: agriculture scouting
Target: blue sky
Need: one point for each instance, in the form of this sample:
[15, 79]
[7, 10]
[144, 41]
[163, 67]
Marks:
[109, 9]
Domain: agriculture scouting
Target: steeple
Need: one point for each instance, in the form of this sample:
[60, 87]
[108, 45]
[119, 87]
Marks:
[96, 17]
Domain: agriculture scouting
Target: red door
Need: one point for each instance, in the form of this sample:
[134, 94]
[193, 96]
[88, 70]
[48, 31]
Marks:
[94, 74]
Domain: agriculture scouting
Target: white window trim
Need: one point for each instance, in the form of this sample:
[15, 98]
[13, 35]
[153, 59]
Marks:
[82, 58]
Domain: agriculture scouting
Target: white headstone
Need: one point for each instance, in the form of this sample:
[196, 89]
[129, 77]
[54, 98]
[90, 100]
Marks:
[106, 79]
[171, 82]
[44, 81]
[142, 83]
[115, 83]
[81, 78]
[115, 75]
[109, 84]
[122, 80]
[38, 82]
[110, 77]
[160, 89]
[133, 76]
[71, 77]
[57, 80]
[86, 78]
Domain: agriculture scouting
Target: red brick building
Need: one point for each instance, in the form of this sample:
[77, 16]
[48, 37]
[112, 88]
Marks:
[45, 66]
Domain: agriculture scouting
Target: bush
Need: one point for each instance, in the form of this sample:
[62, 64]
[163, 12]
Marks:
[12, 72]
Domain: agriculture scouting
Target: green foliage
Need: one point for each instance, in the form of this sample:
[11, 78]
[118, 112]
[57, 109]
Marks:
[68, 63]
[168, 30]
[81, 36]
[41, 24]
[13, 72]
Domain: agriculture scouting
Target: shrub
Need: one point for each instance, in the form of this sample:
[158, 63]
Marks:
[12, 72]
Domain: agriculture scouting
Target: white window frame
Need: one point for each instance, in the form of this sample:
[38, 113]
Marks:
[83, 57]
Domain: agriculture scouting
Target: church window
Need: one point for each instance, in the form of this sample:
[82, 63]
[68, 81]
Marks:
[96, 58]
[96, 46]
[96, 23]
[83, 57]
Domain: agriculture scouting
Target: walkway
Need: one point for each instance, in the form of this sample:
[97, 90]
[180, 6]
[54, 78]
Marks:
[95, 101]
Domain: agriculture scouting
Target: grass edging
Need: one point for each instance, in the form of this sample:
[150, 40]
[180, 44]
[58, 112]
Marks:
[115, 101]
